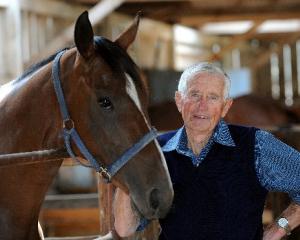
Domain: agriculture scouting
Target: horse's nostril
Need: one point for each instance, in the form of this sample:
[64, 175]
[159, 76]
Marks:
[154, 199]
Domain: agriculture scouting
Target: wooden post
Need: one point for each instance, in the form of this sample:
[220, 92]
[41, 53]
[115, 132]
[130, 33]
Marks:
[105, 193]
[13, 50]
[2, 47]
[96, 15]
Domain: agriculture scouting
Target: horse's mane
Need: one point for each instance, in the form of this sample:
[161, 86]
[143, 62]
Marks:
[118, 59]
[38, 65]
[115, 56]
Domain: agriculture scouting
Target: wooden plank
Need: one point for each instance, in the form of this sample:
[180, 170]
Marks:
[65, 201]
[105, 192]
[73, 238]
[13, 49]
[53, 8]
[235, 41]
[162, 1]
[96, 14]
[265, 56]
[26, 36]
[200, 19]
[70, 222]
[70, 215]
[34, 34]
[14, 159]
[2, 47]
[139, 1]
[151, 48]
[4, 3]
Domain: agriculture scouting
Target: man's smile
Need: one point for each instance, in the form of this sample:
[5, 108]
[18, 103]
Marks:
[198, 116]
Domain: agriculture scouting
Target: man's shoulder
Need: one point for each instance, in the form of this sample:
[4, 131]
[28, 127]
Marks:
[241, 131]
[243, 128]
[166, 136]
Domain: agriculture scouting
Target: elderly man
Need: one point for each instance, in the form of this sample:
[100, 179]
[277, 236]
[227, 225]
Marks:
[221, 173]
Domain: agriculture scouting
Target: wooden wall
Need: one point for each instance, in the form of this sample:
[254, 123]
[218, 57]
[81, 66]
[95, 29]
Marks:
[29, 27]
[26, 28]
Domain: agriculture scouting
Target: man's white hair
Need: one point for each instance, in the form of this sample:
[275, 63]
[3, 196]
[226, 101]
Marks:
[197, 68]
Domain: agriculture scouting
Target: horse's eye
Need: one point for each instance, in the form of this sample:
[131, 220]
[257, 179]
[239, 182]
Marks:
[105, 103]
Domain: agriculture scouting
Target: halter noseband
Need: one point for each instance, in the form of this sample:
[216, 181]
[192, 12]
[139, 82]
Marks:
[70, 133]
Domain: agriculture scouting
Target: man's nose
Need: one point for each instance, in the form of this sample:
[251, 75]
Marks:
[202, 103]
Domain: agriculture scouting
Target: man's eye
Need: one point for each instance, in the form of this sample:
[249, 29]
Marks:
[195, 96]
[213, 97]
[105, 103]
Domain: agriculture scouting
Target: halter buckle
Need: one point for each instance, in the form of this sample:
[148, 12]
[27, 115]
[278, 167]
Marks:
[68, 125]
[105, 174]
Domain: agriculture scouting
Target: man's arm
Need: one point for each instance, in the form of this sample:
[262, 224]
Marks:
[278, 168]
[292, 214]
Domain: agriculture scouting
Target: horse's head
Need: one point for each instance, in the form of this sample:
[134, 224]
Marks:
[107, 100]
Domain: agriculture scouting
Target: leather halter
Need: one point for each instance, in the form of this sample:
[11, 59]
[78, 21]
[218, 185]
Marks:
[70, 133]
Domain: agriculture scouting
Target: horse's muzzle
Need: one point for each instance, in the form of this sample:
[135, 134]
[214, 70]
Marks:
[159, 202]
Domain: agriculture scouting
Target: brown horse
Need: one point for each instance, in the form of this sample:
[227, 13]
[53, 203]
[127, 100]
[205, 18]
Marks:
[260, 111]
[106, 98]
[252, 110]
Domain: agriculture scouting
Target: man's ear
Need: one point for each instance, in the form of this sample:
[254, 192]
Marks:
[178, 100]
[227, 105]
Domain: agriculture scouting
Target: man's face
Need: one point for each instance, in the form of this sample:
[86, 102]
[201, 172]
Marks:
[203, 103]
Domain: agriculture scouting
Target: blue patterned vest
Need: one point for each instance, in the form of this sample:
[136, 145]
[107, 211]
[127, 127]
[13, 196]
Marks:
[221, 199]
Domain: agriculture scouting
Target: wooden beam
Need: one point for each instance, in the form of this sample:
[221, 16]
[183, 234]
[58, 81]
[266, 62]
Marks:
[265, 56]
[13, 47]
[96, 14]
[67, 201]
[103, 9]
[91, 2]
[46, 7]
[4, 3]
[273, 36]
[70, 221]
[200, 19]
[2, 47]
[53, 8]
[235, 41]
[105, 196]
[158, 1]
[164, 29]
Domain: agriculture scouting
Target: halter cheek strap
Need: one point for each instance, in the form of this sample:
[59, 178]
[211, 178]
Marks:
[70, 133]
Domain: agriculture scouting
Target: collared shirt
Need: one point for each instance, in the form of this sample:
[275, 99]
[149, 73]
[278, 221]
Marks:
[277, 165]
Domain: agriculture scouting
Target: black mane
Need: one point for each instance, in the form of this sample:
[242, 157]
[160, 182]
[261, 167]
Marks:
[117, 58]
[38, 65]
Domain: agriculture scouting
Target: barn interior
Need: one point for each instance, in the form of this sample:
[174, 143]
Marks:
[257, 43]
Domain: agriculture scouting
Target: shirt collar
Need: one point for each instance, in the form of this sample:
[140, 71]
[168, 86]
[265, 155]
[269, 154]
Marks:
[221, 135]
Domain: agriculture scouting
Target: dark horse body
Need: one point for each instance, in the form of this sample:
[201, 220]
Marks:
[107, 99]
[259, 111]
[251, 110]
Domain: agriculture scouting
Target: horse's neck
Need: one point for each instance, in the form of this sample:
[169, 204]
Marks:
[22, 192]
[28, 113]
[29, 120]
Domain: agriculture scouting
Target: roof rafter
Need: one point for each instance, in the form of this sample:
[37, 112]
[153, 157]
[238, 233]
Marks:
[96, 14]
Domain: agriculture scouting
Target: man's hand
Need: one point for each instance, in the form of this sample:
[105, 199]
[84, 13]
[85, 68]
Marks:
[292, 214]
[126, 221]
[273, 232]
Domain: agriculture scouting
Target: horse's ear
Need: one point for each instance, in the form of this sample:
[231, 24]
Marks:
[84, 35]
[126, 38]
